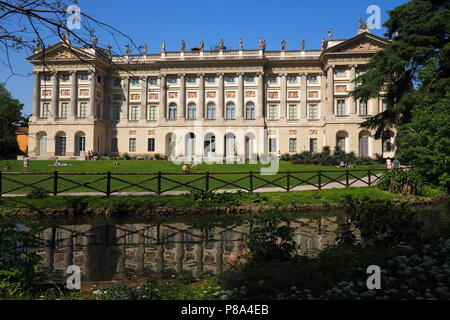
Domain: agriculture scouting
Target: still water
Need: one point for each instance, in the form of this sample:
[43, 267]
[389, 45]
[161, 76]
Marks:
[135, 248]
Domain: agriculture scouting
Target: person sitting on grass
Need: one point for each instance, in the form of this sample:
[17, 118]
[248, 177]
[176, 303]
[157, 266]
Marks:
[8, 168]
[185, 168]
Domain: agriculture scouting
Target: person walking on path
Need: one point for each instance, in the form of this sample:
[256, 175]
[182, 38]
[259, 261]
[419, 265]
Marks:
[396, 164]
[26, 163]
[388, 163]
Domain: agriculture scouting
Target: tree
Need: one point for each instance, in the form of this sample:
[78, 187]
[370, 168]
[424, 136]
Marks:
[419, 30]
[10, 118]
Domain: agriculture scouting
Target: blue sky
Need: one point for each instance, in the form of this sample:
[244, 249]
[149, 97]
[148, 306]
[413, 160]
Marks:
[153, 21]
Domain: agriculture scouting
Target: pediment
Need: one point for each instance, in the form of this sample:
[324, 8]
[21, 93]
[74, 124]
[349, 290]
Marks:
[61, 52]
[361, 43]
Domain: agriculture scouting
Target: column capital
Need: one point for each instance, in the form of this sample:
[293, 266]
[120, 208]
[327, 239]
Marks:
[182, 74]
[284, 74]
[161, 76]
[220, 74]
[240, 73]
[353, 65]
[202, 74]
[301, 74]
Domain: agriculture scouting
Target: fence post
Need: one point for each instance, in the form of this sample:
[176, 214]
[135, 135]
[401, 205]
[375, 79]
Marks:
[319, 177]
[108, 183]
[55, 183]
[347, 182]
[370, 177]
[207, 181]
[159, 182]
[288, 181]
[1, 180]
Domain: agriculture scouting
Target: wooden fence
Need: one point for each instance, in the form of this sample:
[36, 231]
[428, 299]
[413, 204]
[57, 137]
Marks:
[109, 183]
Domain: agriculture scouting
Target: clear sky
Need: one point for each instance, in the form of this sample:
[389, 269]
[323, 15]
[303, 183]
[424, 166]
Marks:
[152, 21]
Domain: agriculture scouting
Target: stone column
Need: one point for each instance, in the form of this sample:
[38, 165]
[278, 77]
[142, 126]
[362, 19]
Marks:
[68, 243]
[91, 111]
[323, 94]
[240, 104]
[121, 246]
[162, 97]
[159, 249]
[283, 97]
[219, 253]
[73, 94]
[144, 98]
[199, 252]
[201, 97]
[260, 97]
[182, 106]
[303, 95]
[126, 98]
[352, 103]
[330, 90]
[107, 98]
[36, 94]
[179, 238]
[55, 96]
[220, 97]
[140, 266]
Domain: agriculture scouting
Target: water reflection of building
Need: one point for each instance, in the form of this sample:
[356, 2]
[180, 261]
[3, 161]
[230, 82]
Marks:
[115, 252]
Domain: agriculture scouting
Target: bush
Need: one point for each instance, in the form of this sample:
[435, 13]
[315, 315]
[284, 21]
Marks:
[38, 193]
[326, 158]
[405, 182]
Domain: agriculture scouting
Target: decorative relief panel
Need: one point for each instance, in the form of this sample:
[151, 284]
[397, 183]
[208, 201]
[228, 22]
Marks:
[151, 132]
[192, 95]
[84, 92]
[341, 89]
[133, 132]
[292, 131]
[46, 93]
[135, 96]
[153, 96]
[313, 94]
[250, 94]
[231, 94]
[210, 94]
[173, 95]
[272, 95]
[293, 95]
[65, 93]
[313, 132]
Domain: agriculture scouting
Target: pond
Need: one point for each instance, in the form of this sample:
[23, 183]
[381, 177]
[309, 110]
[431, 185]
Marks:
[133, 248]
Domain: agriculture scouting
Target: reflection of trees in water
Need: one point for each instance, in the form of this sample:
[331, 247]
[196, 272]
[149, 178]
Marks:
[113, 252]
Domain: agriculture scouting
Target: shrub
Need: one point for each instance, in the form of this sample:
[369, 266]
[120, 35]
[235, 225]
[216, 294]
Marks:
[326, 158]
[405, 182]
[38, 193]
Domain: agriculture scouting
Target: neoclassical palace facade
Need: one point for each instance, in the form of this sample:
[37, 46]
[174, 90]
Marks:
[203, 103]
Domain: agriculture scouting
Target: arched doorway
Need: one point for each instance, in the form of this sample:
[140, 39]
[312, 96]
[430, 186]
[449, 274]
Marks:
[209, 145]
[41, 144]
[230, 146]
[342, 140]
[80, 144]
[189, 146]
[250, 150]
[364, 144]
[60, 144]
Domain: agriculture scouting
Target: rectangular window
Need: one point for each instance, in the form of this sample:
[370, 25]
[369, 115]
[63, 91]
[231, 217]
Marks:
[313, 112]
[151, 113]
[134, 113]
[151, 145]
[341, 107]
[132, 145]
[45, 111]
[363, 108]
[210, 79]
[313, 145]
[134, 82]
[229, 79]
[293, 112]
[273, 112]
[272, 79]
[249, 78]
[272, 145]
[65, 77]
[340, 72]
[387, 144]
[63, 111]
[292, 144]
[153, 81]
[82, 112]
[84, 76]
[292, 79]
[172, 80]
[312, 79]
[116, 113]
[46, 77]
[191, 79]
[114, 145]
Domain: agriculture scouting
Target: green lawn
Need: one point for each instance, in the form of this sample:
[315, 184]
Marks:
[151, 167]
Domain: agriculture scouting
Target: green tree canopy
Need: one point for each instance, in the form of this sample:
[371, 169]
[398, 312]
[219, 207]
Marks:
[10, 118]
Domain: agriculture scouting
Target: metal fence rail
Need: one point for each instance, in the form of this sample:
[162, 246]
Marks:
[109, 183]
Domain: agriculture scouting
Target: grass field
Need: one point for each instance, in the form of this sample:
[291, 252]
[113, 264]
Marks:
[43, 170]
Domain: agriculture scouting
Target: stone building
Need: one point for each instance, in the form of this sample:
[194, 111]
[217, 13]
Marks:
[214, 104]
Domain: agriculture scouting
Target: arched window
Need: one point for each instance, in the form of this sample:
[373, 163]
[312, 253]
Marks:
[250, 111]
[211, 111]
[388, 145]
[191, 111]
[230, 111]
[173, 111]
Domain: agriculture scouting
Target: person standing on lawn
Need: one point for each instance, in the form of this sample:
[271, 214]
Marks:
[26, 163]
